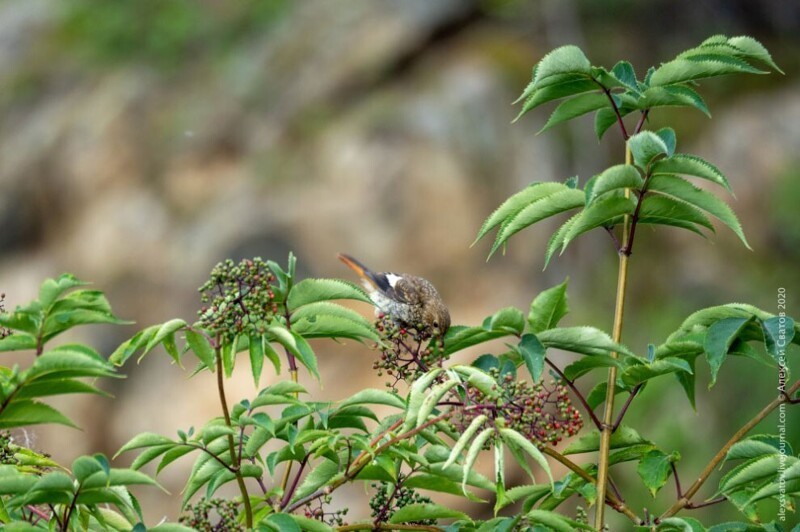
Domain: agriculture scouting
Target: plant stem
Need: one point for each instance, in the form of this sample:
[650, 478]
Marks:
[628, 402]
[685, 500]
[288, 495]
[608, 412]
[577, 393]
[611, 499]
[248, 510]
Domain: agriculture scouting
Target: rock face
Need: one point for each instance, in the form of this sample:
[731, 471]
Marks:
[380, 128]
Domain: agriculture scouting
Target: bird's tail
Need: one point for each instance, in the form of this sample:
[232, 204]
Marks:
[365, 273]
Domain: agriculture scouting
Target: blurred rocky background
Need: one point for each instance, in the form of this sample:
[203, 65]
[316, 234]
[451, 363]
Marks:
[143, 141]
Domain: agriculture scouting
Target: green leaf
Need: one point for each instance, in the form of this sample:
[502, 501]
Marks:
[719, 338]
[643, 372]
[655, 468]
[565, 200]
[201, 347]
[18, 341]
[297, 346]
[568, 87]
[284, 523]
[465, 438]
[313, 310]
[597, 395]
[755, 446]
[328, 326]
[548, 308]
[699, 67]
[508, 319]
[314, 290]
[646, 147]
[472, 455]
[673, 96]
[623, 437]
[557, 239]
[604, 118]
[51, 289]
[318, 477]
[563, 60]
[633, 452]
[256, 352]
[584, 340]
[685, 164]
[681, 189]
[533, 353]
[85, 466]
[658, 209]
[617, 177]
[517, 202]
[602, 212]
[624, 73]
[667, 134]
[27, 412]
[372, 396]
[751, 48]
[584, 365]
[556, 522]
[755, 470]
[68, 361]
[515, 439]
[422, 511]
[310, 525]
[144, 439]
[575, 107]
[779, 331]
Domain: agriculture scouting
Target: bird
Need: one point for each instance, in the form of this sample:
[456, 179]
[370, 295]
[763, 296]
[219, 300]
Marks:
[409, 300]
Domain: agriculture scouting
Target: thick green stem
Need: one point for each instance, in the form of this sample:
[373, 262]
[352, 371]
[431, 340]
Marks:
[608, 411]
[235, 465]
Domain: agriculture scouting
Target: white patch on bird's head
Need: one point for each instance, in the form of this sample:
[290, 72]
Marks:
[393, 278]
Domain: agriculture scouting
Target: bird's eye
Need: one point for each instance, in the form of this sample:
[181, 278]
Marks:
[436, 324]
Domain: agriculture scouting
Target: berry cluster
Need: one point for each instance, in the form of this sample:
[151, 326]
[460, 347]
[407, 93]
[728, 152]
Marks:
[7, 452]
[391, 497]
[543, 413]
[335, 518]
[3, 331]
[238, 299]
[198, 516]
[406, 353]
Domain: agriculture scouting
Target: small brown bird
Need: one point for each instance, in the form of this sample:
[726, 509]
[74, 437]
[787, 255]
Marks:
[409, 300]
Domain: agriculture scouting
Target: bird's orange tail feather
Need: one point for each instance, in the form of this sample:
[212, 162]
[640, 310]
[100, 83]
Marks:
[357, 267]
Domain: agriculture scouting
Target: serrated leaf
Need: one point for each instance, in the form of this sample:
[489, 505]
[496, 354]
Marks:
[755, 470]
[565, 200]
[465, 438]
[314, 290]
[584, 340]
[548, 308]
[554, 521]
[754, 49]
[685, 164]
[624, 73]
[51, 289]
[27, 412]
[584, 365]
[517, 202]
[604, 118]
[567, 59]
[317, 478]
[569, 87]
[755, 446]
[557, 239]
[658, 209]
[602, 212]
[201, 347]
[144, 439]
[328, 326]
[646, 147]
[779, 331]
[672, 96]
[514, 438]
[719, 338]
[655, 468]
[681, 189]
[617, 177]
[372, 396]
[640, 373]
[297, 346]
[699, 67]
[422, 511]
[472, 455]
[624, 436]
[18, 341]
[667, 134]
[533, 354]
[575, 107]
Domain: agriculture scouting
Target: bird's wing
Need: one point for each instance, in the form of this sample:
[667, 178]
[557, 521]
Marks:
[407, 289]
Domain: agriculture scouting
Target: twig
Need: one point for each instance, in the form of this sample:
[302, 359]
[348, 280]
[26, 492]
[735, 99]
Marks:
[625, 407]
[577, 393]
[288, 495]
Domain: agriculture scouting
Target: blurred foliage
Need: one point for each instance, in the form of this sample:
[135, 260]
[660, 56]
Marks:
[161, 33]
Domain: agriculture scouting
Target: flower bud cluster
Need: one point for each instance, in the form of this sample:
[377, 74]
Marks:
[198, 516]
[405, 352]
[390, 497]
[541, 412]
[238, 299]
[335, 518]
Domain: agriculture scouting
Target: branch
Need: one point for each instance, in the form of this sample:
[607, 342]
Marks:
[612, 500]
[288, 495]
[577, 393]
[685, 500]
[625, 407]
[607, 92]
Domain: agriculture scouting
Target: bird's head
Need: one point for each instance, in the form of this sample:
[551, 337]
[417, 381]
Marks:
[436, 317]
